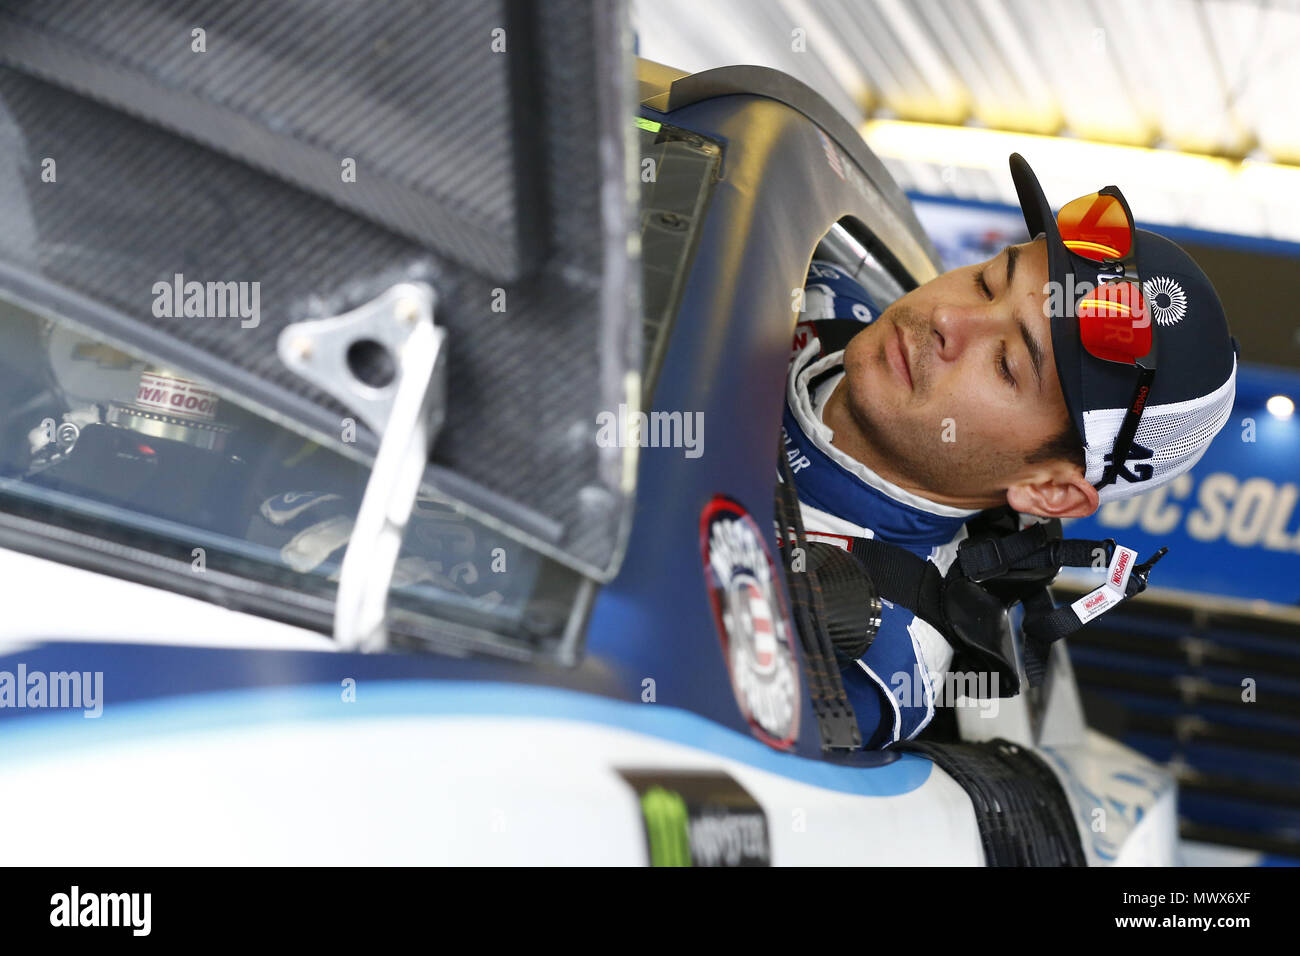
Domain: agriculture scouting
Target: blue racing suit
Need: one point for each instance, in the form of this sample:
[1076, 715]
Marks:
[891, 687]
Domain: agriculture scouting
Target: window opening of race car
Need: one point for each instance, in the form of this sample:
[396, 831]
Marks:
[151, 460]
[100, 442]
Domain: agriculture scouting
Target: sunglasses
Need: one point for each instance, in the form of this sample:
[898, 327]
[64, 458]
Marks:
[1114, 322]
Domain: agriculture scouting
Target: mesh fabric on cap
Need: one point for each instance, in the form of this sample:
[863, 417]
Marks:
[1177, 434]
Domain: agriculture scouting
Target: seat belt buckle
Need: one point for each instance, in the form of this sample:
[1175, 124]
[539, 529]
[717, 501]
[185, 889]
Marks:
[1001, 567]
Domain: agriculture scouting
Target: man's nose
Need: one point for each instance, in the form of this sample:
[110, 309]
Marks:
[956, 327]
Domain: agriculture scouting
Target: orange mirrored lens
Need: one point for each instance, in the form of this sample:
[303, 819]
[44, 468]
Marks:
[1095, 227]
[1114, 323]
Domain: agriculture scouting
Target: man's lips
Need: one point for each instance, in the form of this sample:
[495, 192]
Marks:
[896, 354]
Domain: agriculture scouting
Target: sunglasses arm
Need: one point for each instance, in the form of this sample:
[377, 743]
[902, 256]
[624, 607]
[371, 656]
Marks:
[1124, 440]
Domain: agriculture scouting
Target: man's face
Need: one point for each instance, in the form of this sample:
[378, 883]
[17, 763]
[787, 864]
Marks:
[956, 382]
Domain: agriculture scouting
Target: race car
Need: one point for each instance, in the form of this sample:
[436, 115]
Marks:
[460, 547]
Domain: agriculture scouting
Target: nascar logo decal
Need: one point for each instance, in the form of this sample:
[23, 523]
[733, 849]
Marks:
[752, 621]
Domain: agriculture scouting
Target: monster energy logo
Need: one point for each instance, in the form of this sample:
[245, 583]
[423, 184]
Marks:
[700, 819]
[667, 827]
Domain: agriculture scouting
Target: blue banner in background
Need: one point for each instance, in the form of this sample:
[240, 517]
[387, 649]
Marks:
[1232, 523]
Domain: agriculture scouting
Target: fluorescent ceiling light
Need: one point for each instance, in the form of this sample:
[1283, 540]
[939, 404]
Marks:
[989, 148]
[1162, 185]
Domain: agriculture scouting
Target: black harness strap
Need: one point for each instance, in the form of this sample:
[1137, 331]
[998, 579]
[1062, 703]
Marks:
[989, 576]
[903, 578]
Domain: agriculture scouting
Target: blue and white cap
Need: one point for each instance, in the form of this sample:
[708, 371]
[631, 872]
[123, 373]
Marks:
[1196, 377]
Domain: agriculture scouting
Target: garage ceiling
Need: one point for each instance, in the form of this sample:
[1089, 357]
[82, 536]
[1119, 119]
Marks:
[1193, 106]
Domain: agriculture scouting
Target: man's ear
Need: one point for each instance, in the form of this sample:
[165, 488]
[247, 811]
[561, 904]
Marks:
[1066, 495]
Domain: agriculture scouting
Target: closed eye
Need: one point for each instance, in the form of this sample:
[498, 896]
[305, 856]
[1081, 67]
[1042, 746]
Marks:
[983, 286]
[1004, 369]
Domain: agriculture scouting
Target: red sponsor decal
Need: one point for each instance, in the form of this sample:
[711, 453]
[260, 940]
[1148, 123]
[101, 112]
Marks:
[1118, 574]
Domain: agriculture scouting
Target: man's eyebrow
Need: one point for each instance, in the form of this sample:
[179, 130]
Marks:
[1031, 344]
[1035, 351]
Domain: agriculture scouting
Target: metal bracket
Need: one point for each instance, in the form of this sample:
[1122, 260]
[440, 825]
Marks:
[406, 411]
